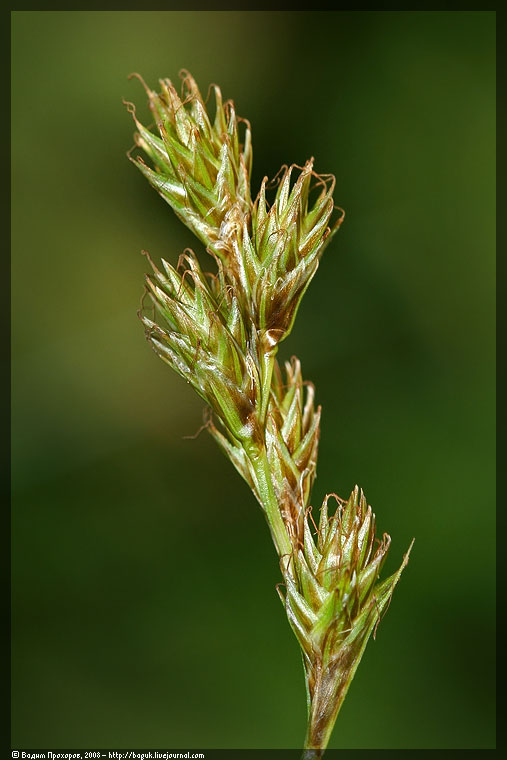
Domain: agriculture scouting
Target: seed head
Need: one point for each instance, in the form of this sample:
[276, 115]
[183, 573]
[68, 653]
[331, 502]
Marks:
[221, 333]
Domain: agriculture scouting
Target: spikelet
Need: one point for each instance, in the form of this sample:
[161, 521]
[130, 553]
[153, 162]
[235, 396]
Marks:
[334, 602]
[199, 166]
[289, 238]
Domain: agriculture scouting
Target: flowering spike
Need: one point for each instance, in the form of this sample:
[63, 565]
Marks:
[221, 332]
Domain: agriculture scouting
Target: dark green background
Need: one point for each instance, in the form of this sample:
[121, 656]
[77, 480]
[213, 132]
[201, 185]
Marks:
[144, 604]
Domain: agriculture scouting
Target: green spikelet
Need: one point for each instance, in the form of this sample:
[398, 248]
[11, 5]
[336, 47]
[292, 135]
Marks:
[221, 333]
[334, 602]
[289, 238]
[199, 167]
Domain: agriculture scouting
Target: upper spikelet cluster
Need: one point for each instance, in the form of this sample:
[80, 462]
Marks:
[268, 254]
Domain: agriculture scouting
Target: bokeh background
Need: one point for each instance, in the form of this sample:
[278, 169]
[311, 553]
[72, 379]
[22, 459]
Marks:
[144, 603]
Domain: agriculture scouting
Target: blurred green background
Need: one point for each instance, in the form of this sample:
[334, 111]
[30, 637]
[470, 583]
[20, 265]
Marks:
[144, 604]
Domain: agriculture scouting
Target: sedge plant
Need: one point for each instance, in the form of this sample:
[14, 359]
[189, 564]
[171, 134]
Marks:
[221, 333]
